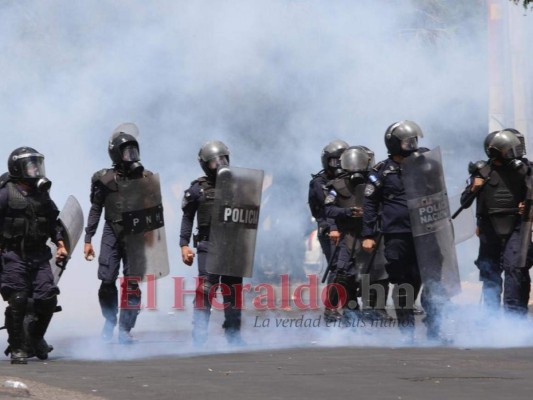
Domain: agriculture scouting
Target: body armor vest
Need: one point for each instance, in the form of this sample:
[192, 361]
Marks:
[28, 219]
[346, 198]
[499, 199]
[205, 208]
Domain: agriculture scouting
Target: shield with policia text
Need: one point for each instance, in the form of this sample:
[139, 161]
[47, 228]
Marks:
[234, 221]
[430, 217]
[144, 230]
[71, 223]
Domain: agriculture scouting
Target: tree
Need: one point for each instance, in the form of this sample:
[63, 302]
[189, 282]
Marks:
[526, 3]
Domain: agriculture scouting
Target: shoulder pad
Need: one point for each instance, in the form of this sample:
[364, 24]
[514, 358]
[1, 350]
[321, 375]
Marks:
[473, 167]
[100, 174]
[319, 174]
[4, 178]
[379, 165]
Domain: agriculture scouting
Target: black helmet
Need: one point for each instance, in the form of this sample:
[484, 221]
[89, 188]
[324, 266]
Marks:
[333, 150]
[357, 159]
[401, 138]
[27, 164]
[124, 149]
[504, 145]
[213, 154]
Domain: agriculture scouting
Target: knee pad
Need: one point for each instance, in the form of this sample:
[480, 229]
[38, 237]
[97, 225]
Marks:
[18, 301]
[204, 287]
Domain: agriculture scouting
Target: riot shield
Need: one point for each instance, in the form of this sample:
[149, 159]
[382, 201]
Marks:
[527, 221]
[464, 225]
[431, 225]
[71, 221]
[234, 221]
[144, 231]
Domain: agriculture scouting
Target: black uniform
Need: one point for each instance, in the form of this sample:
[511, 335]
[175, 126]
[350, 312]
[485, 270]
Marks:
[339, 201]
[105, 195]
[499, 237]
[28, 218]
[386, 192]
[317, 195]
[198, 200]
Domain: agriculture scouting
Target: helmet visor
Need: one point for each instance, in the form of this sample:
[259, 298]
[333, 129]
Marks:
[513, 152]
[409, 144]
[33, 167]
[130, 154]
[217, 162]
[334, 162]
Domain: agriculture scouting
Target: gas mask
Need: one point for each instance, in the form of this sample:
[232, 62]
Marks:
[43, 184]
[131, 160]
[357, 178]
[518, 165]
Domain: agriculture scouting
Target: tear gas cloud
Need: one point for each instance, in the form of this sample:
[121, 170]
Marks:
[275, 80]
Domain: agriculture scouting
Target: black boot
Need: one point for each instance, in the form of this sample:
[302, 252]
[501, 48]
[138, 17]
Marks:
[44, 310]
[108, 299]
[15, 313]
[232, 314]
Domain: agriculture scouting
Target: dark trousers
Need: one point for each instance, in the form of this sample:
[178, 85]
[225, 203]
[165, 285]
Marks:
[497, 255]
[403, 271]
[24, 278]
[112, 252]
[205, 291]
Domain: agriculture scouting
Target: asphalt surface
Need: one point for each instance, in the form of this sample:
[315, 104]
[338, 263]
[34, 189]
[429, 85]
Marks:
[291, 363]
[317, 373]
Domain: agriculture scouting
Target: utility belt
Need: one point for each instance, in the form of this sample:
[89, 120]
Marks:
[21, 246]
[199, 237]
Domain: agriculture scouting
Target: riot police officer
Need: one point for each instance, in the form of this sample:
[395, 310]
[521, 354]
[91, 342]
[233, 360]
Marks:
[344, 203]
[105, 196]
[198, 201]
[328, 234]
[499, 186]
[330, 158]
[385, 191]
[28, 218]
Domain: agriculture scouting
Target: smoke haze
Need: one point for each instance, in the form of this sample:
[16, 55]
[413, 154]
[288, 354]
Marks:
[275, 80]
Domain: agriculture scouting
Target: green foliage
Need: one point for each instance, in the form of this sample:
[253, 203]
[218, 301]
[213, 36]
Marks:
[525, 3]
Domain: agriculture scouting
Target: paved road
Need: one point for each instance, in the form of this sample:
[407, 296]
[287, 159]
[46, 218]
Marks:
[305, 373]
[286, 363]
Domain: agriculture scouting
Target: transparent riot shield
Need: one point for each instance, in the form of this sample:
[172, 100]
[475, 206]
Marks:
[71, 220]
[464, 225]
[525, 226]
[144, 230]
[234, 221]
[429, 212]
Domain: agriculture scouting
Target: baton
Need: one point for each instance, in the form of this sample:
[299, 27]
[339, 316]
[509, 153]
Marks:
[330, 263]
